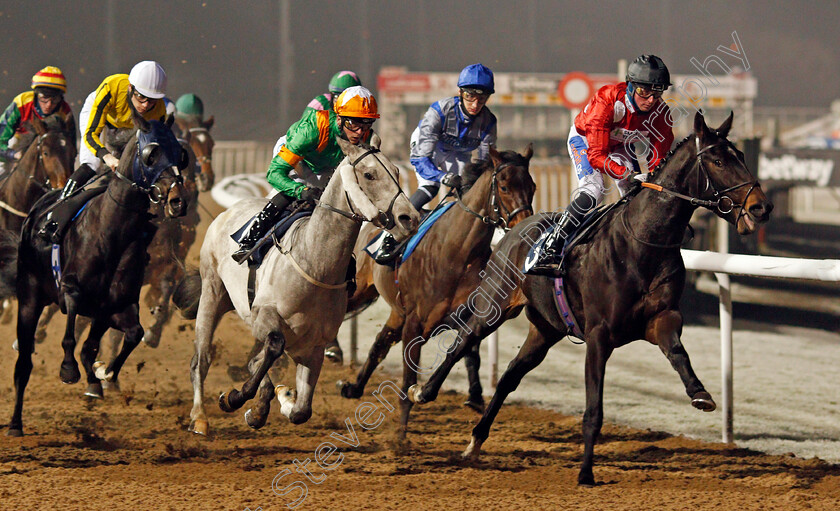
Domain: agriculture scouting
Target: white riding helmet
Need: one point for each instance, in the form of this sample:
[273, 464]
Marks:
[149, 79]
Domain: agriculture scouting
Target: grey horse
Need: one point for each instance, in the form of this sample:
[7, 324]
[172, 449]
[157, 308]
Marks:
[300, 290]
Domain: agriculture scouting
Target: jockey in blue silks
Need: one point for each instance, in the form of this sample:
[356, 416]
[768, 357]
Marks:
[444, 140]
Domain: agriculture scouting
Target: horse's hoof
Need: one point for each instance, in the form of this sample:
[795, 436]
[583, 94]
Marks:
[334, 355]
[199, 427]
[113, 385]
[224, 404]
[94, 390]
[253, 421]
[703, 401]
[151, 338]
[14, 432]
[100, 370]
[476, 405]
[473, 450]
[415, 394]
[69, 373]
[347, 390]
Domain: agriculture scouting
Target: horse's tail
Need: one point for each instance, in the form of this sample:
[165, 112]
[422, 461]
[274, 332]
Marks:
[9, 242]
[187, 293]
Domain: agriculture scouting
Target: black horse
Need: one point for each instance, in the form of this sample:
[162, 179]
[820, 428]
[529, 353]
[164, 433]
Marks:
[623, 281]
[102, 258]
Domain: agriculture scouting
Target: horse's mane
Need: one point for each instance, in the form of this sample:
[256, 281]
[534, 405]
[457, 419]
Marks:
[670, 153]
[475, 170]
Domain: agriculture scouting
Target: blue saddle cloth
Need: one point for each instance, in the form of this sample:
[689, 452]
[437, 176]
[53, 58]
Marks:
[409, 246]
[280, 228]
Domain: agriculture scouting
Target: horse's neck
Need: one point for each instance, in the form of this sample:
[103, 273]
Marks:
[660, 218]
[325, 243]
[478, 199]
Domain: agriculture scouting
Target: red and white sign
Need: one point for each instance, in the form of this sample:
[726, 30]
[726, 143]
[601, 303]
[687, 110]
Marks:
[397, 80]
[575, 89]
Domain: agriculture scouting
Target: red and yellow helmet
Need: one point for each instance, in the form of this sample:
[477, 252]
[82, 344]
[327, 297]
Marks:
[356, 102]
[51, 77]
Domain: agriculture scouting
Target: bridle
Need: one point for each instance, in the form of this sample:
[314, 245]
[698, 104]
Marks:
[383, 219]
[149, 185]
[722, 202]
[496, 204]
[201, 160]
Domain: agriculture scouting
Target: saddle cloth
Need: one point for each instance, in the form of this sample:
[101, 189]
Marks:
[408, 247]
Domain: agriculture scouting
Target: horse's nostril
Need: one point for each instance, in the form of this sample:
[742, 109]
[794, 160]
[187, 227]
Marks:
[407, 222]
[761, 210]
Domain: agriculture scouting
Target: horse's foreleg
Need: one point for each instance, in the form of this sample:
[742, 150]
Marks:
[297, 404]
[160, 312]
[473, 362]
[664, 330]
[598, 351]
[390, 334]
[90, 349]
[28, 312]
[69, 372]
[531, 354]
[412, 344]
[127, 321]
[273, 347]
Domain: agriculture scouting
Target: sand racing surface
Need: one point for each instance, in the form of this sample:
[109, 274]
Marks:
[132, 450]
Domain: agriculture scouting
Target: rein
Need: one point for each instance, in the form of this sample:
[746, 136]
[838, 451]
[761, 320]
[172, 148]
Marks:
[500, 220]
[384, 219]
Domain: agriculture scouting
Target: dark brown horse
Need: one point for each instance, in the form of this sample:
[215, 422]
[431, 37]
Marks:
[623, 281]
[446, 266]
[102, 258]
[45, 165]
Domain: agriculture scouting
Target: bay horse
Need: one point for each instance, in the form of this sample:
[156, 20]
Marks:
[102, 257]
[623, 281]
[445, 267]
[45, 165]
[300, 291]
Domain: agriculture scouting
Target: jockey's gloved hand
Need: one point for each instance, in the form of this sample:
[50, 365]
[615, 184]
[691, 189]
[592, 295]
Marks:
[111, 161]
[311, 193]
[638, 176]
[451, 179]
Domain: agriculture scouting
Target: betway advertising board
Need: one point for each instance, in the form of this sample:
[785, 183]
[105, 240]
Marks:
[799, 167]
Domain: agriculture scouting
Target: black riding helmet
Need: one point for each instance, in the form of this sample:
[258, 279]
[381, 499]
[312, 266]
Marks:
[649, 70]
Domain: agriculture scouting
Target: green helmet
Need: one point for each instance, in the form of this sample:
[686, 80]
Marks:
[343, 80]
[189, 105]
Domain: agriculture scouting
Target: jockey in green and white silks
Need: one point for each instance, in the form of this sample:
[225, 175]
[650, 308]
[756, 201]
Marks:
[311, 145]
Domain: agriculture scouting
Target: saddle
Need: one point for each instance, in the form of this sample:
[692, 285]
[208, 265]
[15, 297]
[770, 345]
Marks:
[66, 211]
[295, 211]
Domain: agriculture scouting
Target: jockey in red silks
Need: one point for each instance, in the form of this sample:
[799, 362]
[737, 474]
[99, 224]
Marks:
[619, 121]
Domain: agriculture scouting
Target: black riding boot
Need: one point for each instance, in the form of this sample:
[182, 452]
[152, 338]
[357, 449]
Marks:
[387, 250]
[62, 213]
[264, 221]
[548, 264]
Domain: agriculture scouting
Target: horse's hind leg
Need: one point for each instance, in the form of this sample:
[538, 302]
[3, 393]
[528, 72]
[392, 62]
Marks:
[90, 349]
[473, 362]
[214, 303]
[160, 311]
[664, 331]
[531, 354]
[115, 338]
[29, 309]
[390, 334]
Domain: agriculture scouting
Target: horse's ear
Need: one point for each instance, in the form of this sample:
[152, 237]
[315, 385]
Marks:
[700, 128]
[208, 123]
[38, 125]
[529, 151]
[495, 156]
[141, 123]
[170, 119]
[723, 130]
[346, 147]
[375, 141]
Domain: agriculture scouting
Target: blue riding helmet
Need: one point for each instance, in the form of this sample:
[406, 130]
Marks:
[477, 76]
